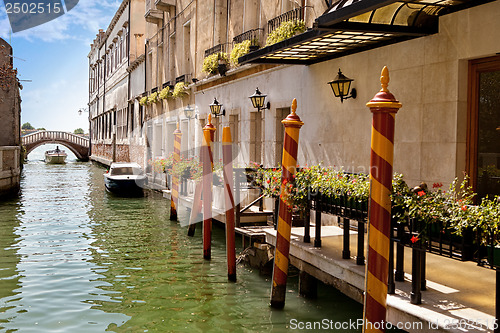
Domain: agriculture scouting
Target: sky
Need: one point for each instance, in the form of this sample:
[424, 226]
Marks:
[53, 56]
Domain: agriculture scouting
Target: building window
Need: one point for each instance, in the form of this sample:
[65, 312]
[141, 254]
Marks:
[256, 137]
[280, 134]
[483, 126]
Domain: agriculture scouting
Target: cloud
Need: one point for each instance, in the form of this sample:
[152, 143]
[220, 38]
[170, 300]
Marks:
[86, 17]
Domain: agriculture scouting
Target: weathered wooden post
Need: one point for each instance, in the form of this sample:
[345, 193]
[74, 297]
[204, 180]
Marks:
[174, 193]
[384, 107]
[208, 136]
[227, 155]
[292, 125]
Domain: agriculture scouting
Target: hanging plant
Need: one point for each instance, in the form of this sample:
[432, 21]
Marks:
[153, 98]
[144, 100]
[286, 30]
[211, 63]
[165, 93]
[180, 90]
[240, 50]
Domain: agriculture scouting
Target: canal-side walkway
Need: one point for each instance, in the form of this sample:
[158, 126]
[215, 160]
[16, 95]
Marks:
[459, 297]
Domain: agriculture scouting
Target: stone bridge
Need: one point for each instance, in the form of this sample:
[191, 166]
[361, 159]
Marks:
[77, 144]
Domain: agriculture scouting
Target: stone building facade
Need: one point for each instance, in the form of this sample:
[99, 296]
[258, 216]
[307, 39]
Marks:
[443, 62]
[110, 85]
[10, 118]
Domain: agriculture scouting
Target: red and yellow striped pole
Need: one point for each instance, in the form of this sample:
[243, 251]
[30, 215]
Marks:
[174, 194]
[208, 136]
[292, 125]
[384, 107]
[227, 156]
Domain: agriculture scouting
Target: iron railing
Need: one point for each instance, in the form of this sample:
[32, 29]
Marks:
[294, 14]
[215, 49]
[254, 36]
[182, 78]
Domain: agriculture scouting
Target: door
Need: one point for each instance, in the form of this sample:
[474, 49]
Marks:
[483, 137]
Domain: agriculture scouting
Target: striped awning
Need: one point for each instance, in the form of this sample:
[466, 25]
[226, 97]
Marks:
[352, 26]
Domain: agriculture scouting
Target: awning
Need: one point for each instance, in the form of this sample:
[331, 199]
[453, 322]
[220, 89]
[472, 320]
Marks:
[352, 26]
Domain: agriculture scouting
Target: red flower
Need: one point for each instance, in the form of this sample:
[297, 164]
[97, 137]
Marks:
[421, 193]
[463, 208]
[437, 185]
[268, 181]
[414, 239]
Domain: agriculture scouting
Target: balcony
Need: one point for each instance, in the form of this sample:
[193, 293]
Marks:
[254, 36]
[182, 78]
[216, 49]
[165, 5]
[153, 15]
[294, 14]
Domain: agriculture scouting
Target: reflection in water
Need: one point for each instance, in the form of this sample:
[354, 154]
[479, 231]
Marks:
[77, 259]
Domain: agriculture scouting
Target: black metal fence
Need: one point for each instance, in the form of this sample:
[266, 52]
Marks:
[254, 36]
[294, 14]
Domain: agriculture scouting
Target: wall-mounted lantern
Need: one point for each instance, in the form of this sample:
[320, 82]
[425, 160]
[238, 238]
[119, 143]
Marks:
[189, 112]
[341, 86]
[215, 108]
[258, 100]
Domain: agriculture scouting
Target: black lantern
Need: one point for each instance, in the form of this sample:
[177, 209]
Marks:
[341, 86]
[189, 111]
[215, 108]
[258, 100]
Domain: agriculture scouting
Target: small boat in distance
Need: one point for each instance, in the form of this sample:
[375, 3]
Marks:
[55, 156]
[125, 178]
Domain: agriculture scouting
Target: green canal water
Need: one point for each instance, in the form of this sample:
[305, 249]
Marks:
[75, 259]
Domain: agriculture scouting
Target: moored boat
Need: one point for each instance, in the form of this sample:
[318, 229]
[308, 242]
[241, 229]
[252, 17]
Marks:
[125, 178]
[55, 156]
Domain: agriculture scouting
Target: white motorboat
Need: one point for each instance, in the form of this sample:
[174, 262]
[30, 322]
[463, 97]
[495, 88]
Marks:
[55, 156]
[125, 178]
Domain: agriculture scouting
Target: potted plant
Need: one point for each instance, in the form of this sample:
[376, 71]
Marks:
[286, 30]
[153, 98]
[143, 100]
[240, 50]
[165, 93]
[211, 62]
[180, 90]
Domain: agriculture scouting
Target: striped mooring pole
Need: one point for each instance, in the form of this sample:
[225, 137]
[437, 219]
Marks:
[384, 107]
[292, 125]
[208, 136]
[174, 194]
[227, 156]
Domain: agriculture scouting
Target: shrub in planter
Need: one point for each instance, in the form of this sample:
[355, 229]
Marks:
[286, 30]
[239, 50]
[165, 93]
[144, 100]
[211, 63]
[153, 98]
[180, 90]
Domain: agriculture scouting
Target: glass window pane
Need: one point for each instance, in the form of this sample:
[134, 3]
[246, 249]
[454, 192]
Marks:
[488, 159]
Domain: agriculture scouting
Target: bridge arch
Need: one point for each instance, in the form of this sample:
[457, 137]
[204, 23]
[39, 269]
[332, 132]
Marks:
[78, 145]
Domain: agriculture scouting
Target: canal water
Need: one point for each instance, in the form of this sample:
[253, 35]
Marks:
[75, 259]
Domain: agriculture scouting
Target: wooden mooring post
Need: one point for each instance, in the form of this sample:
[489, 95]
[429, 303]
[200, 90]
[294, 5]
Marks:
[208, 136]
[384, 107]
[227, 155]
[174, 193]
[292, 125]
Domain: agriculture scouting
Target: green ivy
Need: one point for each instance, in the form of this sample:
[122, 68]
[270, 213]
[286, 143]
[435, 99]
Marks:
[286, 30]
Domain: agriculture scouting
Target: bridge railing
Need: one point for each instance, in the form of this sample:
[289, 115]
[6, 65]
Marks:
[55, 135]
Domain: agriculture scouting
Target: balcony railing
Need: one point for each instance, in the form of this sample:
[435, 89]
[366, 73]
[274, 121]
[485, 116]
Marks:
[216, 49]
[294, 14]
[182, 78]
[153, 90]
[254, 36]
